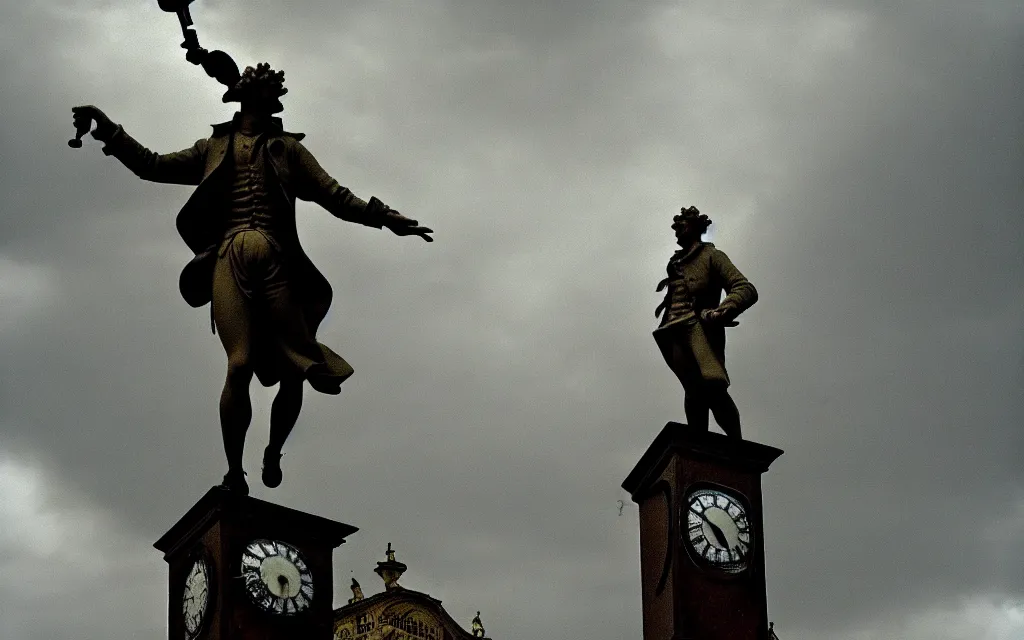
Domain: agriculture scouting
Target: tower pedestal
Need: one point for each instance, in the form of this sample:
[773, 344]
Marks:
[701, 540]
[245, 569]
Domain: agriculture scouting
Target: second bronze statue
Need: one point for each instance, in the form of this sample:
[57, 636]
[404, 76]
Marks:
[267, 297]
[691, 335]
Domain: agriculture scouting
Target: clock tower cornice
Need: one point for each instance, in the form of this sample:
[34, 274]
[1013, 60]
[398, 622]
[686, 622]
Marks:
[675, 438]
[219, 503]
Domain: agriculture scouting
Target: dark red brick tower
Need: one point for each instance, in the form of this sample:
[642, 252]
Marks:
[701, 536]
[245, 569]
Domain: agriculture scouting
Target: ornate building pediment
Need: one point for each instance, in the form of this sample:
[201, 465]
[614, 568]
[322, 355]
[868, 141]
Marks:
[397, 613]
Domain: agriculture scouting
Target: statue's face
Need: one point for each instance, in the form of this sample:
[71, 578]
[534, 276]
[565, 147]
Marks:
[263, 100]
[686, 230]
[275, 106]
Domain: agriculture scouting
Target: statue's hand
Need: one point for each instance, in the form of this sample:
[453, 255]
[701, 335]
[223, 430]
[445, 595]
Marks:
[85, 115]
[402, 226]
[722, 315]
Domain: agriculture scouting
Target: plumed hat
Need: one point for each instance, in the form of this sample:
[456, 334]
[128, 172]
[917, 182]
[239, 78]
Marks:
[689, 213]
[252, 78]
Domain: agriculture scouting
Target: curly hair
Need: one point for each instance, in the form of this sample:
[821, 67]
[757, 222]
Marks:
[699, 220]
[252, 79]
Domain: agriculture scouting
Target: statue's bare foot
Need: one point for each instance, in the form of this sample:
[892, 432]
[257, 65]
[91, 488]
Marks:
[271, 468]
[234, 481]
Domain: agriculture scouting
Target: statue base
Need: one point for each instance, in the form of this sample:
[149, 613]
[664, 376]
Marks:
[702, 575]
[212, 590]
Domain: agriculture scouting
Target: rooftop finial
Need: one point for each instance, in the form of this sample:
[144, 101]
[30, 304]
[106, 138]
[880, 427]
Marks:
[390, 570]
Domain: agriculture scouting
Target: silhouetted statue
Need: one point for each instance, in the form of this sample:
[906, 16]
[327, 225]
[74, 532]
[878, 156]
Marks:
[268, 299]
[478, 627]
[692, 331]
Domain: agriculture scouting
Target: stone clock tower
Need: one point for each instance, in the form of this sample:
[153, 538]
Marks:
[245, 569]
[701, 536]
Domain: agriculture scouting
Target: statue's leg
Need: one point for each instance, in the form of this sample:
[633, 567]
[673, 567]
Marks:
[285, 411]
[685, 367]
[697, 410]
[726, 414]
[231, 314]
[298, 352]
[283, 415]
[302, 355]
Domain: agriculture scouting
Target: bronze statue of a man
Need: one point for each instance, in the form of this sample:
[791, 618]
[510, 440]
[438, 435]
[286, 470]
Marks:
[267, 297]
[691, 335]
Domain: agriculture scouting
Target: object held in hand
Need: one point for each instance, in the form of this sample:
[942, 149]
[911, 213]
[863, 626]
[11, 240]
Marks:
[217, 64]
[82, 126]
[179, 7]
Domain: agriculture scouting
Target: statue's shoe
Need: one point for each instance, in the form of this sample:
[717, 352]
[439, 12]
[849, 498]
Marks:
[234, 481]
[271, 468]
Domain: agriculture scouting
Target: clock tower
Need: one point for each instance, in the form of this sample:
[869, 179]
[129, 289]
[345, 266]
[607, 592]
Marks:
[701, 536]
[245, 569]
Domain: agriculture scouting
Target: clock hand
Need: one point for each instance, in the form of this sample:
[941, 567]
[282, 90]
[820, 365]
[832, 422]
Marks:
[718, 533]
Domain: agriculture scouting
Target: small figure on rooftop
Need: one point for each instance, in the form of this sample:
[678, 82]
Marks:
[478, 627]
[357, 592]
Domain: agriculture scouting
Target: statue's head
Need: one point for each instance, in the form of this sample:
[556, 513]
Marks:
[259, 90]
[690, 224]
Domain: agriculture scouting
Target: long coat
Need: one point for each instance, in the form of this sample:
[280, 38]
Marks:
[293, 173]
[705, 272]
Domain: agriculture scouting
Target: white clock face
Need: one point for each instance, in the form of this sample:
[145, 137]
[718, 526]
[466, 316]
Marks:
[196, 597]
[277, 578]
[718, 530]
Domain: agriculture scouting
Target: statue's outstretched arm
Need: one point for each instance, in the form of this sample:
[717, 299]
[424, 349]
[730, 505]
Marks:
[316, 185]
[181, 167]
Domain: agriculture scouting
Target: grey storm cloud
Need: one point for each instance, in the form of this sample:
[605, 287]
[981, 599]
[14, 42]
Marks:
[861, 160]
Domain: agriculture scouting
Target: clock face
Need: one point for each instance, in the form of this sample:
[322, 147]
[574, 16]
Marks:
[277, 578]
[718, 531]
[196, 597]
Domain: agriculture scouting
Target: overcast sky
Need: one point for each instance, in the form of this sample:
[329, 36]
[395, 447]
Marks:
[862, 162]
